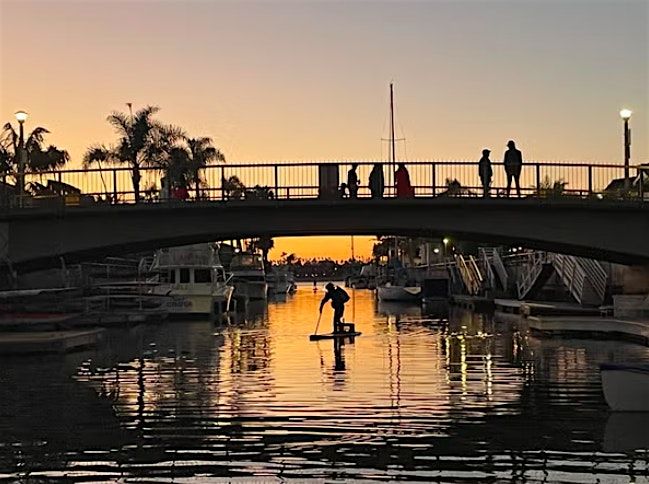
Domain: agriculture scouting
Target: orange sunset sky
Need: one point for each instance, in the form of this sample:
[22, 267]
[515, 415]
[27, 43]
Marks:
[305, 80]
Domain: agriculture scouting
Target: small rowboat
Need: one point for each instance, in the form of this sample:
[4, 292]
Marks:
[626, 386]
[344, 334]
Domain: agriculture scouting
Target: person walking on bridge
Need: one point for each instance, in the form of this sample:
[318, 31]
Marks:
[485, 172]
[352, 181]
[338, 297]
[513, 162]
[402, 182]
[377, 182]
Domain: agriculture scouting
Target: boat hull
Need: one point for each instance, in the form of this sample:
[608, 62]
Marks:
[626, 387]
[257, 290]
[200, 304]
[280, 287]
[399, 293]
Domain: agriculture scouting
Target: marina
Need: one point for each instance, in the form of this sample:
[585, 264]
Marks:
[328, 242]
[427, 383]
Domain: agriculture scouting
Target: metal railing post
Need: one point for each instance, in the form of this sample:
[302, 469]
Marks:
[434, 178]
[590, 179]
[114, 185]
[276, 181]
[222, 182]
[538, 179]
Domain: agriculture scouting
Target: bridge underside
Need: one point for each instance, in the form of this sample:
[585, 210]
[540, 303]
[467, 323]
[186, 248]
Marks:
[617, 232]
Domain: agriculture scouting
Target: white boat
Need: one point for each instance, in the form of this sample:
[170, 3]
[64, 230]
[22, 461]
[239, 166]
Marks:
[195, 278]
[278, 282]
[626, 386]
[292, 285]
[389, 292]
[248, 276]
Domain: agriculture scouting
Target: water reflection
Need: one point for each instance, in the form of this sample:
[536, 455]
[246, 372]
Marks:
[416, 397]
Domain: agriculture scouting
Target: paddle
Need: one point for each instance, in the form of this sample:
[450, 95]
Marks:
[317, 324]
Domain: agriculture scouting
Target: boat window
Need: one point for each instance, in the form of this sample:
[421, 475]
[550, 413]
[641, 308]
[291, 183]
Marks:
[172, 276]
[202, 275]
[184, 276]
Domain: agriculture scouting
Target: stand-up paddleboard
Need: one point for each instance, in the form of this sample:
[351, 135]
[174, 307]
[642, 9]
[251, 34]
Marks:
[345, 334]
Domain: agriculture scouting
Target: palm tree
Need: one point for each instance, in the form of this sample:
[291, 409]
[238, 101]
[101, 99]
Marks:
[265, 244]
[201, 153]
[39, 158]
[6, 159]
[138, 143]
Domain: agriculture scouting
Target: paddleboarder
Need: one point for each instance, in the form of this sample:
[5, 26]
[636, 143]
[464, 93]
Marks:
[338, 297]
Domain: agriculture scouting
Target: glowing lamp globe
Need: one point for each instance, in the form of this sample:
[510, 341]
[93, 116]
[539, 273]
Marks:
[21, 116]
[625, 114]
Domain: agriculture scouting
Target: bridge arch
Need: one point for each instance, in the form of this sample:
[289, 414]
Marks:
[614, 231]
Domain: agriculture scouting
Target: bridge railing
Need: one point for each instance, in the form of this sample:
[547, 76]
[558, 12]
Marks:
[303, 180]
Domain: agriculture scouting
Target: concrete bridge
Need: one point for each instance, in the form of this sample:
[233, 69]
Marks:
[607, 230]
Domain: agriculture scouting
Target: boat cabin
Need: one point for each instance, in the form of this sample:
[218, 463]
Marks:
[192, 275]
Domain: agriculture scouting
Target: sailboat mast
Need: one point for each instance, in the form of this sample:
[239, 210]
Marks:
[393, 155]
[392, 140]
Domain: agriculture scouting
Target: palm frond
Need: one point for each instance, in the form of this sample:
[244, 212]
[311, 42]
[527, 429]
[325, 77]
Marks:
[97, 154]
[10, 136]
[47, 160]
[120, 121]
[36, 137]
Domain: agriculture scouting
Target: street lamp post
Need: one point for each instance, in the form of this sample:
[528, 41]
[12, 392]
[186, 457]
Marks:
[21, 117]
[625, 114]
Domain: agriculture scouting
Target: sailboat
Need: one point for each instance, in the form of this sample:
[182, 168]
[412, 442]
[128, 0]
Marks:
[399, 287]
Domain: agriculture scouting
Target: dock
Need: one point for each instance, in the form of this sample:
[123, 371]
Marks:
[27, 342]
[512, 310]
[590, 327]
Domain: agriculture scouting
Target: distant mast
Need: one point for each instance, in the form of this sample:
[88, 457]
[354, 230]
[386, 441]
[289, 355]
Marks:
[393, 150]
[393, 157]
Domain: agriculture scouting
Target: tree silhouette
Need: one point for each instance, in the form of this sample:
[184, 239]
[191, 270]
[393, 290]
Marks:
[233, 188]
[142, 141]
[200, 153]
[265, 244]
[39, 158]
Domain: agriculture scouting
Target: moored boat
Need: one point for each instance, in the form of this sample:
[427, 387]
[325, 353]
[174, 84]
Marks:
[194, 278]
[278, 282]
[389, 292]
[248, 276]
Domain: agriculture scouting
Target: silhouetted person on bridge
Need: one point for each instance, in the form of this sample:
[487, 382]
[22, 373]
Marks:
[485, 172]
[402, 182]
[352, 181]
[513, 164]
[338, 297]
[377, 182]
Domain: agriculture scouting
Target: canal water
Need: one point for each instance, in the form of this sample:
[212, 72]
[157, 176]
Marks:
[416, 397]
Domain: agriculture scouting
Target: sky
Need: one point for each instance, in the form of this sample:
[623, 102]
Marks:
[304, 80]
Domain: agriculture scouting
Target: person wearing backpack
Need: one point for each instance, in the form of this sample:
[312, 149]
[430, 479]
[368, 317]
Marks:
[338, 297]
